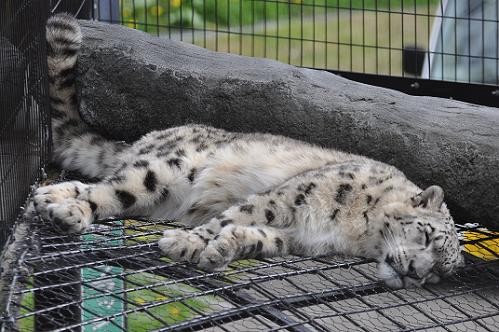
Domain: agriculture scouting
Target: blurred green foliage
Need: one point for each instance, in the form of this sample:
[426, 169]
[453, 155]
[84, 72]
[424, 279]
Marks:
[157, 15]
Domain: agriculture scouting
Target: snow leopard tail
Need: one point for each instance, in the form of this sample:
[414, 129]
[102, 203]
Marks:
[63, 44]
[76, 146]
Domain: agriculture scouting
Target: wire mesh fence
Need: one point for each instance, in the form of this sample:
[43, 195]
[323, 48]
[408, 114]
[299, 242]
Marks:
[450, 40]
[81, 8]
[113, 278]
[24, 125]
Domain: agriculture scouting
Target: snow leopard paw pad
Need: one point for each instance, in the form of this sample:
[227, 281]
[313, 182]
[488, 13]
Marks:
[216, 256]
[70, 216]
[44, 196]
[182, 245]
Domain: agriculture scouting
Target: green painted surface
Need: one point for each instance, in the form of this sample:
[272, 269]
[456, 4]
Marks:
[98, 286]
[161, 303]
[154, 301]
[170, 312]
[27, 306]
[156, 306]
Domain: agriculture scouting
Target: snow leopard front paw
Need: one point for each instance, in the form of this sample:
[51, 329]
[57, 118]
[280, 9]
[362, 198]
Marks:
[181, 245]
[44, 196]
[216, 256]
[70, 216]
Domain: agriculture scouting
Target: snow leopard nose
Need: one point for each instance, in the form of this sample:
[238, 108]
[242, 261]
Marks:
[411, 272]
[389, 259]
[58, 223]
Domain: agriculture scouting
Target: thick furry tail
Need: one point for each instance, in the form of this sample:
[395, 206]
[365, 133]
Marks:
[63, 44]
[76, 147]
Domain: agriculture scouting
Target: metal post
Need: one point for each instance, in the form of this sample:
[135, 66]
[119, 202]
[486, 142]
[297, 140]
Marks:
[53, 300]
[109, 11]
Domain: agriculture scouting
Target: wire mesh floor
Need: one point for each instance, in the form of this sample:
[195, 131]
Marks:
[113, 278]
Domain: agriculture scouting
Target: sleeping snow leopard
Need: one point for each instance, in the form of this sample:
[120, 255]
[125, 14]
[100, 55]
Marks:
[246, 195]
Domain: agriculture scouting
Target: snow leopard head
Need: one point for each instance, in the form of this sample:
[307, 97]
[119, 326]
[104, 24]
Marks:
[419, 242]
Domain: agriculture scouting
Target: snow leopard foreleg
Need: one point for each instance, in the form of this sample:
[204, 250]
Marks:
[238, 242]
[255, 228]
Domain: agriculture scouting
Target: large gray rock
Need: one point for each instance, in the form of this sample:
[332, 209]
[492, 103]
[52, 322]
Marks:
[133, 83]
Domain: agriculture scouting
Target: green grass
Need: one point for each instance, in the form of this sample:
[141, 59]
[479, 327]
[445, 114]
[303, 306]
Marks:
[360, 41]
[304, 33]
[148, 14]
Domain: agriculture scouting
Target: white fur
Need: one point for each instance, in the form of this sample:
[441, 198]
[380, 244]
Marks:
[250, 195]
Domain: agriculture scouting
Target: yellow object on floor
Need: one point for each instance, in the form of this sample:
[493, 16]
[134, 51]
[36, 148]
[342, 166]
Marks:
[487, 247]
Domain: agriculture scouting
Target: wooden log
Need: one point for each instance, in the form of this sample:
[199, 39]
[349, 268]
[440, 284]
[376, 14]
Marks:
[133, 83]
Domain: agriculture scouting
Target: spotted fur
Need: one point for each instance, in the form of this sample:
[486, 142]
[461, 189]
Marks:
[246, 195]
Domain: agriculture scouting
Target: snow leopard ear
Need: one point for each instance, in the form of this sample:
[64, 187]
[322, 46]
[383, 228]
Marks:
[431, 198]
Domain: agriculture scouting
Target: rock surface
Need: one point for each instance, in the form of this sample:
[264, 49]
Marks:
[133, 83]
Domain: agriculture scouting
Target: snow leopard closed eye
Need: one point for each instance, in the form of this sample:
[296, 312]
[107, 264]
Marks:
[245, 195]
[420, 247]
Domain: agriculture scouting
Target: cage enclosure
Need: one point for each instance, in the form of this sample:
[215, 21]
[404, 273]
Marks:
[113, 276]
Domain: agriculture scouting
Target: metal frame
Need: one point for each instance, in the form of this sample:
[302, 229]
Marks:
[481, 94]
[292, 293]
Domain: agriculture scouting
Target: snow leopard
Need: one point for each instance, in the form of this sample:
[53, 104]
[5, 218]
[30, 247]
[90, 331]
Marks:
[242, 195]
